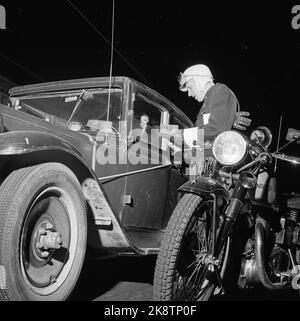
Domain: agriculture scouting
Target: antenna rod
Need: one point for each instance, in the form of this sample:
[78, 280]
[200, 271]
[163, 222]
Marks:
[278, 141]
[111, 62]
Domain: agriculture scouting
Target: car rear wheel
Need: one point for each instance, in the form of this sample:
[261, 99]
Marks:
[43, 233]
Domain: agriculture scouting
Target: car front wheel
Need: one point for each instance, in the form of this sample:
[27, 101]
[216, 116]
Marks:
[43, 233]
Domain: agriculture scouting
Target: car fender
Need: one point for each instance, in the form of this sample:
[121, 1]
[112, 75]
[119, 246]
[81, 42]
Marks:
[107, 231]
[22, 142]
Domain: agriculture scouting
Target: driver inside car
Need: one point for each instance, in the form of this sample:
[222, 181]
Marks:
[140, 128]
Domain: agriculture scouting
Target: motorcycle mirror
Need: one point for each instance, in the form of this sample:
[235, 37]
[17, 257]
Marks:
[293, 135]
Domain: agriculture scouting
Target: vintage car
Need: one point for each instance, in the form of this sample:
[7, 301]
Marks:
[73, 176]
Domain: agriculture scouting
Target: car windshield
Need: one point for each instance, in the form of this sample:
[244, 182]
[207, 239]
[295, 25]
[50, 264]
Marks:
[70, 107]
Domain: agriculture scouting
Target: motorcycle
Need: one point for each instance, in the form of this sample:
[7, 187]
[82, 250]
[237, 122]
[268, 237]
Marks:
[232, 228]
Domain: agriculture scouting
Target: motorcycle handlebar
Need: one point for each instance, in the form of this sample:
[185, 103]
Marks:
[228, 175]
[287, 158]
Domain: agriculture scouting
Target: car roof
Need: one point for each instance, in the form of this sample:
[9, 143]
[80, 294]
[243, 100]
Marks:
[66, 84]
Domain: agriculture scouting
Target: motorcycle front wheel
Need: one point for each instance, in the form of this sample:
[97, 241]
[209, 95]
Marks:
[181, 267]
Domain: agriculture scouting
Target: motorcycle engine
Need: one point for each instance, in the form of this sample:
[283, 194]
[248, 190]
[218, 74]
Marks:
[284, 255]
[289, 236]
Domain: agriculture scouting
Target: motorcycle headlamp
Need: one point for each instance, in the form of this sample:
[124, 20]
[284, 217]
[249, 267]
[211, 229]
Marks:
[229, 148]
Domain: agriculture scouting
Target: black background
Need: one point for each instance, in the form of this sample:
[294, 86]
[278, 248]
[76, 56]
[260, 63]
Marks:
[250, 46]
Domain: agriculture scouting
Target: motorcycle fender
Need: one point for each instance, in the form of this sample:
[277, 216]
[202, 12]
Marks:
[204, 186]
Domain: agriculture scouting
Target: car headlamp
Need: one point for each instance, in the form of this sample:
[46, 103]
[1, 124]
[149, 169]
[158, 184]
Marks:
[229, 148]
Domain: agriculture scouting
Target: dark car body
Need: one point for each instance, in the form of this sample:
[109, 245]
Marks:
[129, 203]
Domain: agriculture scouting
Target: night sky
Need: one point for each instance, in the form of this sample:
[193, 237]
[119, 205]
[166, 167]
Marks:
[250, 46]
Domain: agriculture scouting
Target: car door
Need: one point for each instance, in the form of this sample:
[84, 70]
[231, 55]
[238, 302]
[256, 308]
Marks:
[177, 173]
[147, 182]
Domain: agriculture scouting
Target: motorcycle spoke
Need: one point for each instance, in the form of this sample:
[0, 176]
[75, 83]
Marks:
[191, 279]
[181, 291]
[203, 290]
[192, 290]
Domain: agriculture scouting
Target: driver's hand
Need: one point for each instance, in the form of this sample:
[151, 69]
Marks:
[242, 121]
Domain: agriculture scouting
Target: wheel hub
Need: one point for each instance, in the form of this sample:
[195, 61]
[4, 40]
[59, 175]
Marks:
[47, 240]
[210, 260]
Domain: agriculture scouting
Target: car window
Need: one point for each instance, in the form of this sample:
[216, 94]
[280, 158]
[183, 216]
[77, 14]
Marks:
[147, 116]
[76, 107]
[144, 106]
[94, 108]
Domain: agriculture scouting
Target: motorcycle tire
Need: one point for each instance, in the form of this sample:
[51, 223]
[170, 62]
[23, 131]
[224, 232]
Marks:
[185, 245]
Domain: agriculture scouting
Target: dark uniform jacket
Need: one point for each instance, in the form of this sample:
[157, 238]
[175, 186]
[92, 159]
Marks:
[218, 111]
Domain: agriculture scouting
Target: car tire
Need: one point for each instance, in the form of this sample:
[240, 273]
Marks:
[43, 232]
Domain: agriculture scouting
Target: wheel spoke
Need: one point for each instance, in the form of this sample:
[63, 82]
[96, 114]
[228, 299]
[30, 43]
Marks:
[202, 290]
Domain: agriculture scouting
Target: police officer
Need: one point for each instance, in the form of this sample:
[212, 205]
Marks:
[220, 110]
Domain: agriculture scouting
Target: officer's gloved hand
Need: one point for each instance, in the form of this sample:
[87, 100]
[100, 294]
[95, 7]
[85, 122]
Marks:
[242, 121]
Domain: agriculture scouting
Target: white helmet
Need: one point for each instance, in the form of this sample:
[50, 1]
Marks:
[194, 71]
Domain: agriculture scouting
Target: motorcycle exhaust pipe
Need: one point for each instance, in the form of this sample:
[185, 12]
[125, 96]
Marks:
[259, 257]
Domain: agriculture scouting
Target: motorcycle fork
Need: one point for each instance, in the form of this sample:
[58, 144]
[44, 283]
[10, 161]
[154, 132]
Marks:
[220, 239]
[231, 214]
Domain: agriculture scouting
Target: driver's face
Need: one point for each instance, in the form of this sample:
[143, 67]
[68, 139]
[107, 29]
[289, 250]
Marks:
[144, 121]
